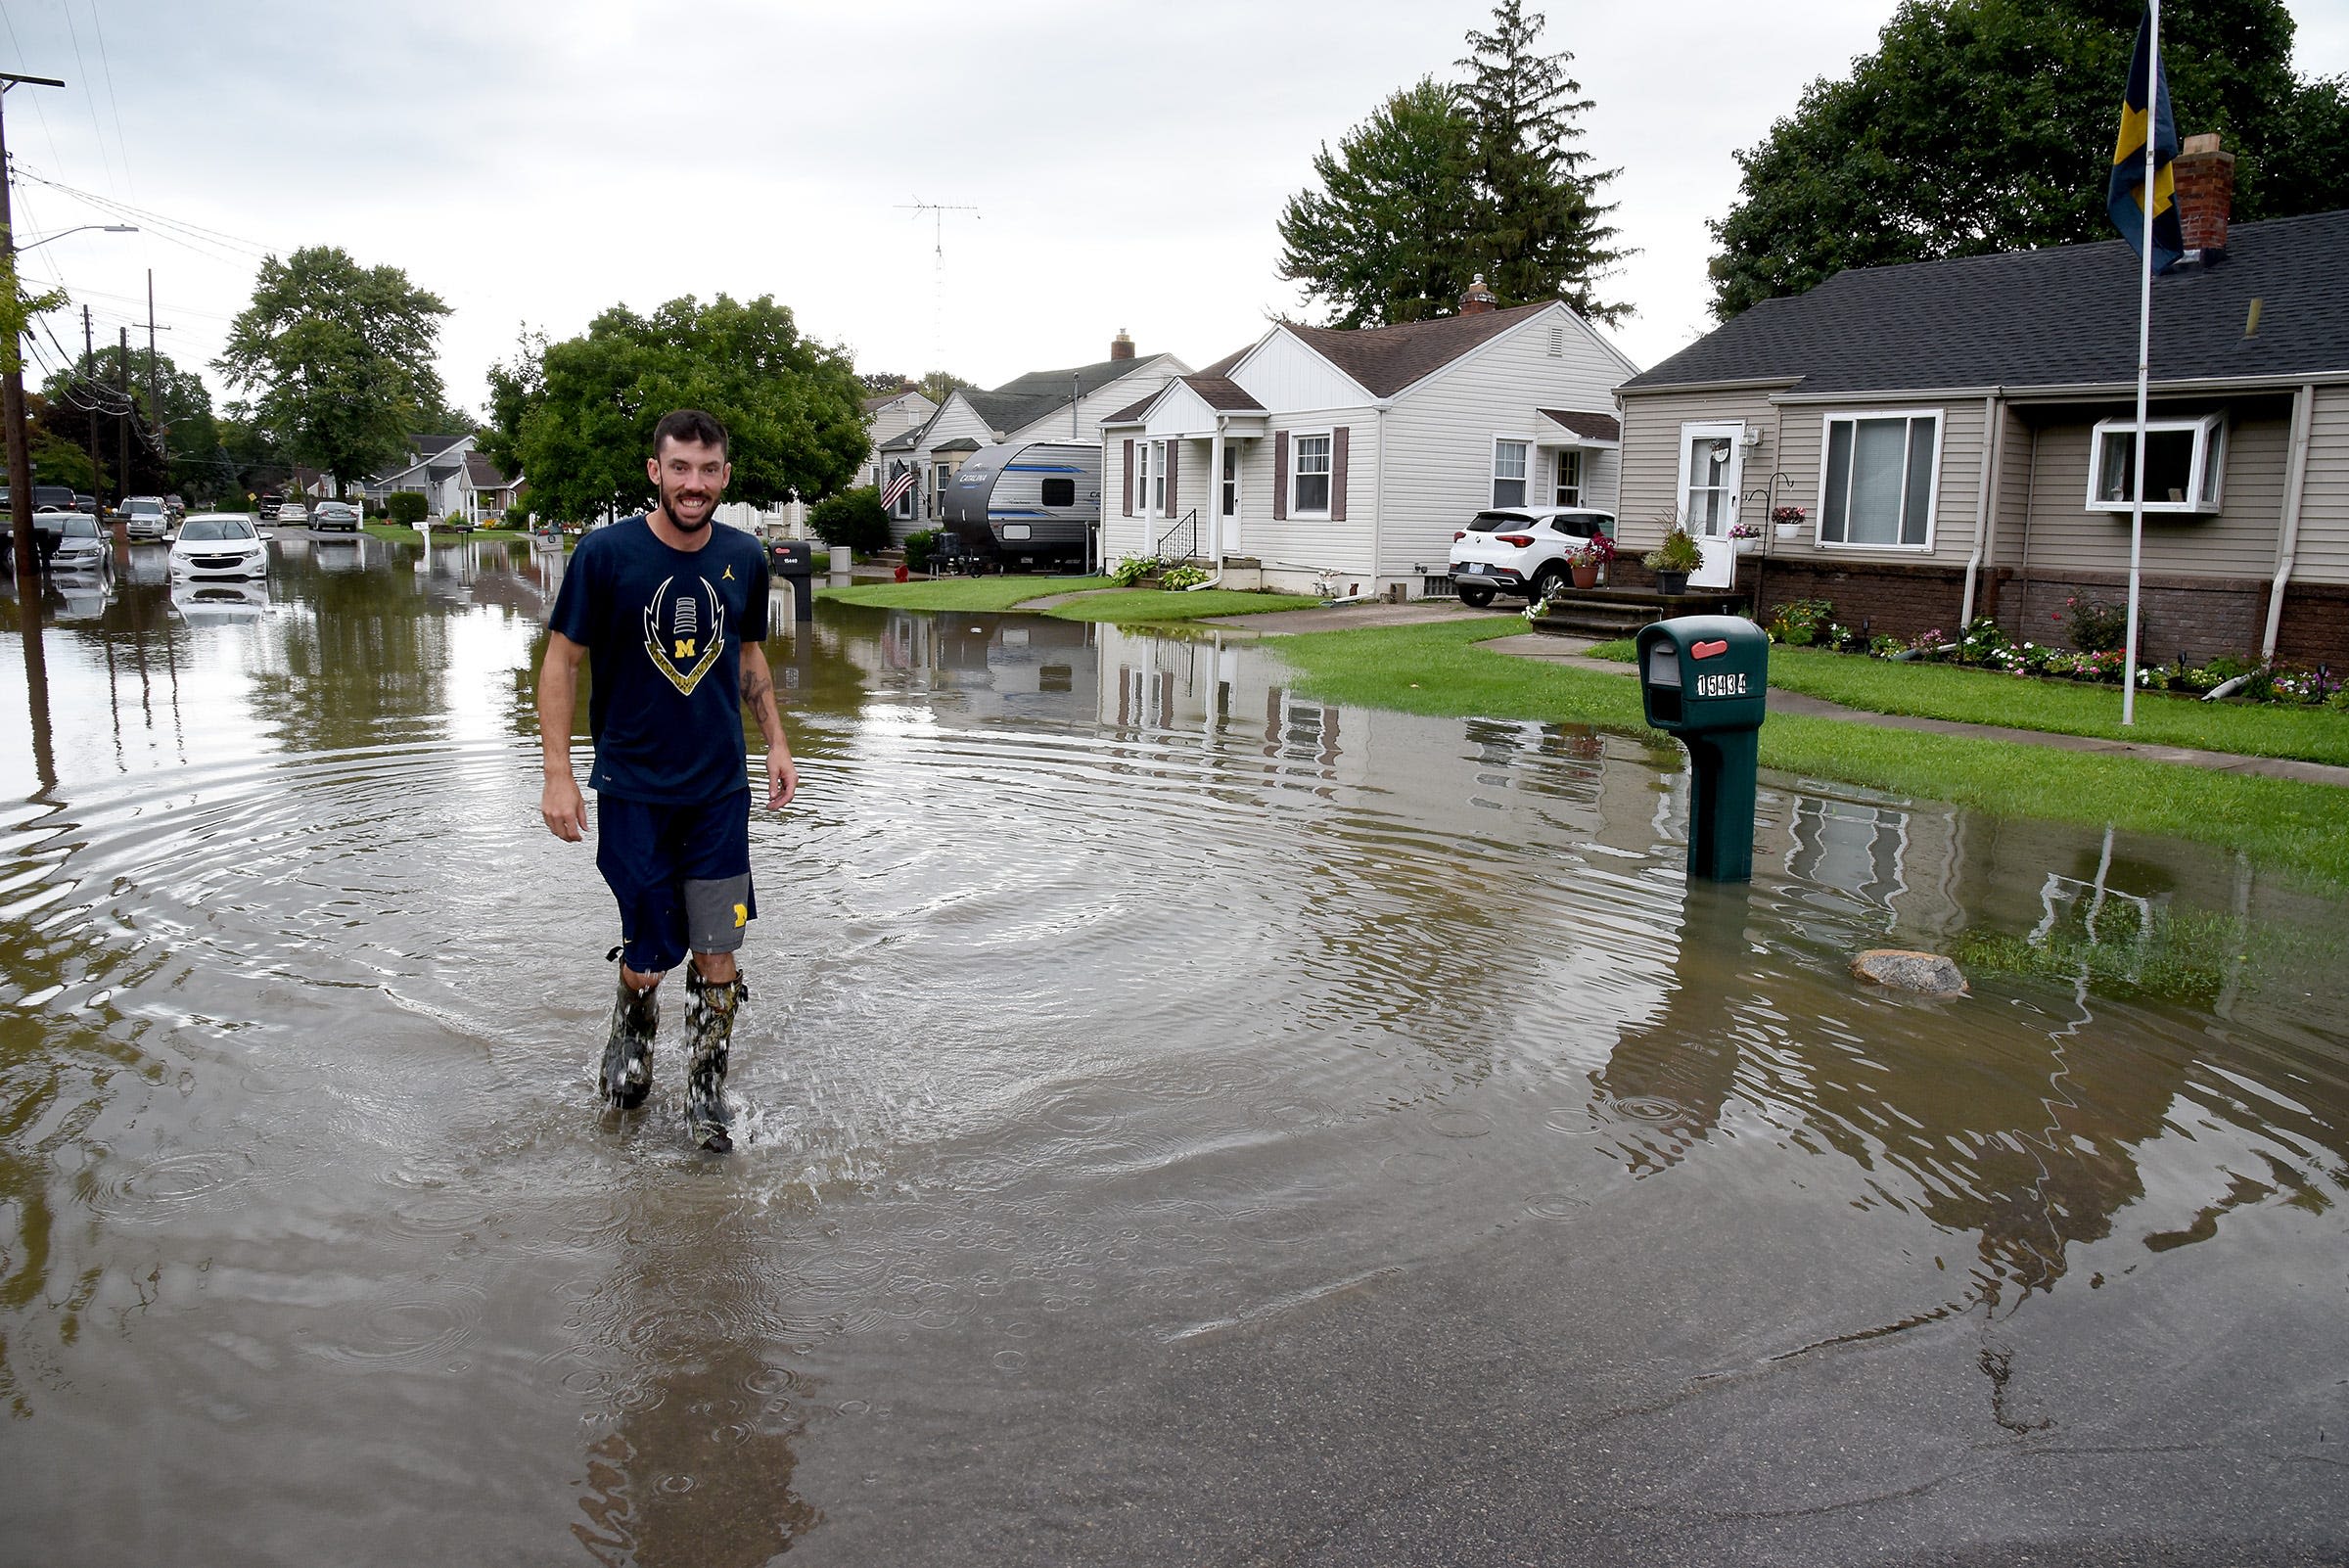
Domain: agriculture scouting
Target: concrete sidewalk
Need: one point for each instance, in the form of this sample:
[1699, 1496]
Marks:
[1570, 651]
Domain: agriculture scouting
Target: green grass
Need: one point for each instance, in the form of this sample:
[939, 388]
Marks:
[1157, 606]
[394, 534]
[2057, 706]
[2301, 829]
[1123, 607]
[960, 593]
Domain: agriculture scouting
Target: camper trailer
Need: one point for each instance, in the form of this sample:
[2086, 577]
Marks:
[1034, 503]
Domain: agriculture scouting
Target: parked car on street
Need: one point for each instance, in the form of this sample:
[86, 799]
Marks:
[293, 512]
[219, 545]
[1520, 550]
[175, 506]
[82, 546]
[146, 517]
[340, 516]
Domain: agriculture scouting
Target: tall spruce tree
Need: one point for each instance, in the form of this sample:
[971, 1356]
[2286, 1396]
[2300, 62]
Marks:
[1390, 234]
[1986, 126]
[1544, 236]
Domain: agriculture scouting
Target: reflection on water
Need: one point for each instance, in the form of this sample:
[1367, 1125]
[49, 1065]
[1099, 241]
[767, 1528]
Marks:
[1162, 1087]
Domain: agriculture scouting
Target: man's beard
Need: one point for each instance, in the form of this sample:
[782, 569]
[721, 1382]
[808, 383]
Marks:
[668, 505]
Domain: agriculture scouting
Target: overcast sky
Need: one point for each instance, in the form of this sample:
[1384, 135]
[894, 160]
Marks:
[534, 162]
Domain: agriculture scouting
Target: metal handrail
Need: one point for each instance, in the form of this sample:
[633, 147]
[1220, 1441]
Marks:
[1188, 527]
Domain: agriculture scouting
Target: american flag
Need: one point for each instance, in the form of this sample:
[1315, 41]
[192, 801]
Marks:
[898, 487]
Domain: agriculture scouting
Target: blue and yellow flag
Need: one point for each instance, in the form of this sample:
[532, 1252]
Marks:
[2125, 196]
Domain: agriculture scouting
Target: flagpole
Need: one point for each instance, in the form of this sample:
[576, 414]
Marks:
[2145, 354]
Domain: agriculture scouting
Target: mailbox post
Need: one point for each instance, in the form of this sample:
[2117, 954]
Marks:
[1704, 679]
[794, 561]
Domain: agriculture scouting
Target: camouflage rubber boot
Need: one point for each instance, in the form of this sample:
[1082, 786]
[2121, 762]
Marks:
[627, 1074]
[708, 1031]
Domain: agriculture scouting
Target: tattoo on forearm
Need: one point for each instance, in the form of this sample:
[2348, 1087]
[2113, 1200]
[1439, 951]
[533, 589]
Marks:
[756, 690]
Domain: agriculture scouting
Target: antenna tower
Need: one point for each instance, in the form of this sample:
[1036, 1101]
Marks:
[938, 211]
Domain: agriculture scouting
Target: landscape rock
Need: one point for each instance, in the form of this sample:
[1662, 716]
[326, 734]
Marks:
[1928, 974]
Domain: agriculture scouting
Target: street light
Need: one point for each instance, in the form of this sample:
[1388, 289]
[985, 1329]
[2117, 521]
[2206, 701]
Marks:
[103, 228]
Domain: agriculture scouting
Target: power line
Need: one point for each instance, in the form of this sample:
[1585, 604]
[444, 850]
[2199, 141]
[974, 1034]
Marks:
[193, 235]
[122, 142]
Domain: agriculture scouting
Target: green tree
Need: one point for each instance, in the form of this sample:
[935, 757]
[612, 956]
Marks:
[84, 401]
[853, 517]
[576, 417]
[341, 357]
[1389, 234]
[1543, 236]
[1986, 126]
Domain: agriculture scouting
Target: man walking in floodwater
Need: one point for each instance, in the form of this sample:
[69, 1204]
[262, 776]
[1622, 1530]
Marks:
[669, 612]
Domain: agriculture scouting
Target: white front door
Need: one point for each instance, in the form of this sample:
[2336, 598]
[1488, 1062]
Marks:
[1709, 474]
[1227, 498]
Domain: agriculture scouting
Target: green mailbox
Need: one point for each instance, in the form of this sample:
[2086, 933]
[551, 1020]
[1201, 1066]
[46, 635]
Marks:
[1706, 678]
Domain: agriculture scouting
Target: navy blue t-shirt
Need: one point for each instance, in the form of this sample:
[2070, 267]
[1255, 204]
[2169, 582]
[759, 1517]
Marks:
[664, 629]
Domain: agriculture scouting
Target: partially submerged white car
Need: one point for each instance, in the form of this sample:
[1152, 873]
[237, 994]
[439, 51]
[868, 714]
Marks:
[218, 544]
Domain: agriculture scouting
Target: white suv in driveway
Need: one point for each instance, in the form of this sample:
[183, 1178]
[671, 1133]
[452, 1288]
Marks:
[1520, 550]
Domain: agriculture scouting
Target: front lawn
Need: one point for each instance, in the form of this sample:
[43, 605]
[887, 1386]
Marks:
[1438, 669]
[960, 593]
[1158, 606]
[2059, 707]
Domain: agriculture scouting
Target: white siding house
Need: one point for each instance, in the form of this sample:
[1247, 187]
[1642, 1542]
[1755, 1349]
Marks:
[1347, 459]
[1041, 405]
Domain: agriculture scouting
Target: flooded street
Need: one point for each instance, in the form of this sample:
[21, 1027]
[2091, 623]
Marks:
[1185, 1124]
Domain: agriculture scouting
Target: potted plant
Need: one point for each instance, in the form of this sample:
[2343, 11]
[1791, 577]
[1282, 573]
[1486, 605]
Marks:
[1744, 537]
[1790, 520]
[1585, 561]
[1672, 561]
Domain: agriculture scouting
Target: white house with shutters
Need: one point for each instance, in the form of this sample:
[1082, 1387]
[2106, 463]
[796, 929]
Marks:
[1319, 455]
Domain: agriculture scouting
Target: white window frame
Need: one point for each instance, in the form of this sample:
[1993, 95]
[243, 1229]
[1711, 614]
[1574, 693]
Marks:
[1853, 416]
[1157, 480]
[1523, 476]
[1732, 431]
[1562, 492]
[1141, 478]
[2206, 473]
[1297, 441]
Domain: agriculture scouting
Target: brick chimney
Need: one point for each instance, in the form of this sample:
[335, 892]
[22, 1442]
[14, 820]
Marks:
[2205, 181]
[1478, 299]
[1120, 346]
[906, 384]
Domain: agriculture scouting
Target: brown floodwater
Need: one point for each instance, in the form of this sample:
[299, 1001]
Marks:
[1184, 1121]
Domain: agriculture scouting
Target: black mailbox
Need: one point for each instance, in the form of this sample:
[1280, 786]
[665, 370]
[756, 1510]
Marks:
[1706, 678]
[794, 562]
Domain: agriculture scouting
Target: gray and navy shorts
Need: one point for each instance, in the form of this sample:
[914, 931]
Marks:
[681, 873]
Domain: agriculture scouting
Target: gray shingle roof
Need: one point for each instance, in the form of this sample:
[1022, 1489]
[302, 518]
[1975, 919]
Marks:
[1055, 384]
[1222, 392]
[1598, 427]
[2059, 317]
[1387, 359]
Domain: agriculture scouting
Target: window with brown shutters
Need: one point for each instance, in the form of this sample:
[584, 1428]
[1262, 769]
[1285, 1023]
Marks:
[1129, 479]
[1337, 474]
[1280, 475]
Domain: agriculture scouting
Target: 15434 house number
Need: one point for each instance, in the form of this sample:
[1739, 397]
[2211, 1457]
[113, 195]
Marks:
[1727, 683]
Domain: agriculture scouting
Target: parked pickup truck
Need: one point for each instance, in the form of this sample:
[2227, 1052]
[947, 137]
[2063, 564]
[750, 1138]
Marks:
[52, 504]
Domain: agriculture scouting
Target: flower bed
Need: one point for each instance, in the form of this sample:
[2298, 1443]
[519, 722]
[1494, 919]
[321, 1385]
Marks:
[1983, 644]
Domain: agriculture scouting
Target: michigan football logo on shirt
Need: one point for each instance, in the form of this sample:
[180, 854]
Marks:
[685, 631]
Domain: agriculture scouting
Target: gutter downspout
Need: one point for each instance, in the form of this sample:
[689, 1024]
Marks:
[1215, 495]
[1378, 510]
[2295, 481]
[1982, 507]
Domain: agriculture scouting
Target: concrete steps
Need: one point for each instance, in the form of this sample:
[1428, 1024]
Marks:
[1608, 612]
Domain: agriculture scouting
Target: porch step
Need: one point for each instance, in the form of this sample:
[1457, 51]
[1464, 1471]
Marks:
[1620, 612]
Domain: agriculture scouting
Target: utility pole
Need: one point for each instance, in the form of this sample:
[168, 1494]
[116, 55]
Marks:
[89, 373]
[12, 384]
[122, 425]
[154, 396]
